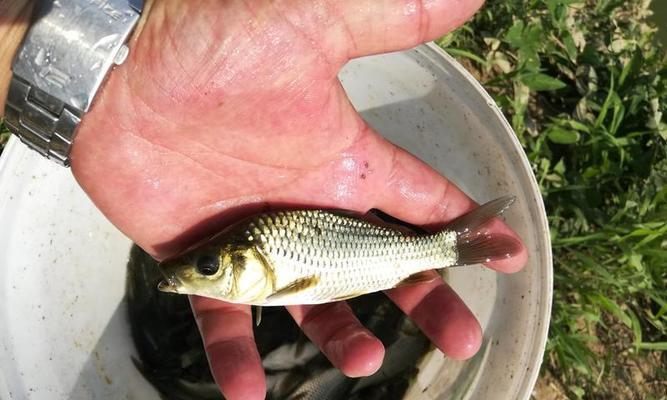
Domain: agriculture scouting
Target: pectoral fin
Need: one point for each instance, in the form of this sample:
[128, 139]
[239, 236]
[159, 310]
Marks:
[295, 287]
[419, 277]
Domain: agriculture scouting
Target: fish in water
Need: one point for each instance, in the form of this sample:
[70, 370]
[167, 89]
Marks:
[319, 256]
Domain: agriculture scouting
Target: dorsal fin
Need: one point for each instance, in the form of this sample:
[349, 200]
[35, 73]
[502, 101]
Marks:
[380, 218]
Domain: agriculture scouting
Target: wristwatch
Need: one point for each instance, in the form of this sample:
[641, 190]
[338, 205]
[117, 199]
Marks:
[62, 62]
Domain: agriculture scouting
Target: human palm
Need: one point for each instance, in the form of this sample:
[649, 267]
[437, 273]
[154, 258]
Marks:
[227, 108]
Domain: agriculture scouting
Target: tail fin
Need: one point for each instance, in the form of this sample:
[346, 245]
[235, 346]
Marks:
[486, 248]
[474, 246]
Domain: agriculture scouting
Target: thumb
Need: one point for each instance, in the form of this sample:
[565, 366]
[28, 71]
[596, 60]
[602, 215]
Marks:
[377, 26]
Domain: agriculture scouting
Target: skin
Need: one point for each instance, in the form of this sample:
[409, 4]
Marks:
[227, 108]
[14, 20]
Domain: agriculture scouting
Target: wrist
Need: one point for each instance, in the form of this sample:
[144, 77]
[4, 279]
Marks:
[103, 131]
[15, 21]
[56, 77]
[113, 99]
[13, 26]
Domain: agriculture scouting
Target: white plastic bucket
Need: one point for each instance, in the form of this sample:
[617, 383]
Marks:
[63, 322]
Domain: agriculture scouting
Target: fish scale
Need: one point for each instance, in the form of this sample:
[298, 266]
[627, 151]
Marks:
[339, 245]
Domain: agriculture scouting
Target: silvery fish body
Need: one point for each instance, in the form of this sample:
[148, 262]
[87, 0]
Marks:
[318, 256]
[339, 257]
[329, 384]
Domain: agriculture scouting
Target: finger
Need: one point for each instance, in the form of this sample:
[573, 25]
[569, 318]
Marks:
[377, 26]
[230, 346]
[340, 336]
[414, 192]
[442, 317]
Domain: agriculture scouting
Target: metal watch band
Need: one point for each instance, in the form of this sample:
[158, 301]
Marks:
[41, 121]
[62, 62]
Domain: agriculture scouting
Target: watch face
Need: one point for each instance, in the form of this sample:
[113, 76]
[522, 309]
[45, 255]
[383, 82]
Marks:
[71, 46]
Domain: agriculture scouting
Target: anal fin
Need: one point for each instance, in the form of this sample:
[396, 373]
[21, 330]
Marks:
[419, 277]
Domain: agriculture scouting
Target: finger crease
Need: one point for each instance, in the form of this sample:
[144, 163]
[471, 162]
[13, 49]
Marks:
[225, 343]
[441, 204]
[343, 329]
[216, 312]
[315, 312]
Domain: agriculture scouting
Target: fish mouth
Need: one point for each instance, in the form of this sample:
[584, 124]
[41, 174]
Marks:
[169, 284]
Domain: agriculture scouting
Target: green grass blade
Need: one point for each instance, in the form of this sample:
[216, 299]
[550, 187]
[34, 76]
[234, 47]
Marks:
[467, 54]
[613, 308]
[660, 346]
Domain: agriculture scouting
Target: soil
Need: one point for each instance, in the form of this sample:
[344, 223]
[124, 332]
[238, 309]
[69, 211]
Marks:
[627, 373]
[548, 388]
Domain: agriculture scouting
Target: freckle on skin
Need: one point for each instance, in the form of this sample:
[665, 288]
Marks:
[363, 176]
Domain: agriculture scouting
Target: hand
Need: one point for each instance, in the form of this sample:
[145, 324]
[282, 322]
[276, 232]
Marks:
[226, 108]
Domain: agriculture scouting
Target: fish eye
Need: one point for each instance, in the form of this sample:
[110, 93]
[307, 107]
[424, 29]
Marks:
[207, 265]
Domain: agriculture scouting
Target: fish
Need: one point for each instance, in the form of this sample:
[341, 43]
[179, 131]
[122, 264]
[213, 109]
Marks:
[289, 355]
[328, 384]
[403, 354]
[292, 257]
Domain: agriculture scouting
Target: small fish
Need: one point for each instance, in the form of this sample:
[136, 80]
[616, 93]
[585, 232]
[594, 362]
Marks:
[319, 256]
[329, 384]
[402, 355]
[290, 355]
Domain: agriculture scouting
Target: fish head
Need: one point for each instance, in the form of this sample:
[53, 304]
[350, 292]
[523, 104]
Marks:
[232, 272]
[205, 271]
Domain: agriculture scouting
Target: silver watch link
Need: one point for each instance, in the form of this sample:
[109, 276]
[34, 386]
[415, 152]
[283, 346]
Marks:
[60, 66]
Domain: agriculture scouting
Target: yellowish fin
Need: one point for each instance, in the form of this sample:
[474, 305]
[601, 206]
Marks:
[295, 287]
[419, 277]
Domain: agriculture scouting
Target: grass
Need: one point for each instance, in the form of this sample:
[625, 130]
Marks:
[584, 85]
